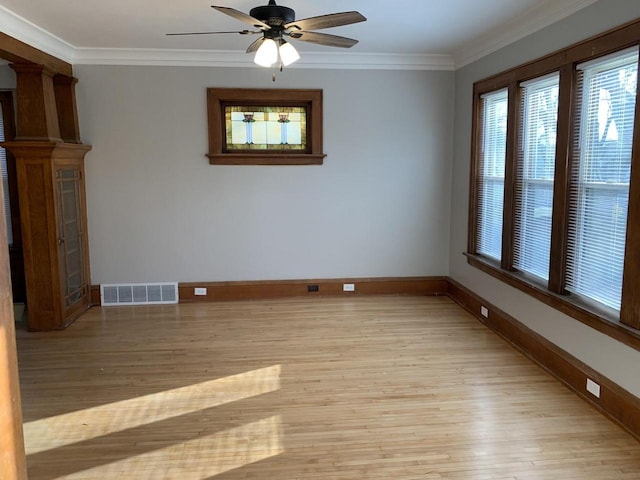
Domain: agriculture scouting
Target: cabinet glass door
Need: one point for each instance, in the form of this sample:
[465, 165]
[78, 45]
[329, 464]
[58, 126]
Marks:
[70, 235]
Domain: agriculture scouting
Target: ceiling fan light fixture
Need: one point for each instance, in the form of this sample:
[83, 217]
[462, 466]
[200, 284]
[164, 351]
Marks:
[288, 53]
[267, 54]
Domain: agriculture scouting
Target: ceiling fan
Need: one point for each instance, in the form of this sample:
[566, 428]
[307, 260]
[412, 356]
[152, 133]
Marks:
[275, 22]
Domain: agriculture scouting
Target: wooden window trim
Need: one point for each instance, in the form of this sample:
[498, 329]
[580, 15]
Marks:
[310, 99]
[599, 320]
[510, 174]
[562, 180]
[8, 113]
[630, 310]
[626, 328]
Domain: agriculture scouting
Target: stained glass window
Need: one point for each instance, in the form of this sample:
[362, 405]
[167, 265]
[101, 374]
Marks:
[265, 128]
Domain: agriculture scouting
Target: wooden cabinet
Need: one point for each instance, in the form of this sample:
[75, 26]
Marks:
[54, 231]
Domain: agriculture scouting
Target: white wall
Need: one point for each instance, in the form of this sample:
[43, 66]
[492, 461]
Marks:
[602, 353]
[7, 77]
[379, 206]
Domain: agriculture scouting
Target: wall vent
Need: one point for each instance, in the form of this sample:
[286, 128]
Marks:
[138, 294]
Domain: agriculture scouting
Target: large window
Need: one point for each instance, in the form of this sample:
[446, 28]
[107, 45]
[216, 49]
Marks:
[600, 197]
[555, 196]
[493, 144]
[534, 179]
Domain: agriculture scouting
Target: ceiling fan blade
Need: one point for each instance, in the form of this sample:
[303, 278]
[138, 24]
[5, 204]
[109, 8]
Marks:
[324, 39]
[326, 21]
[242, 32]
[243, 17]
[255, 45]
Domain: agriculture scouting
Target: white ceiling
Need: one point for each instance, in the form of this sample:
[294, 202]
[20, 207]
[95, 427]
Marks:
[397, 34]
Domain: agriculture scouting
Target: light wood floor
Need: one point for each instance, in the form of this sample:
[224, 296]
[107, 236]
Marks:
[393, 388]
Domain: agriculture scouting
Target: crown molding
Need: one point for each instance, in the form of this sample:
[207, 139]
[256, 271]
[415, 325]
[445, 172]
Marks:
[219, 58]
[523, 25]
[529, 22]
[376, 61]
[22, 29]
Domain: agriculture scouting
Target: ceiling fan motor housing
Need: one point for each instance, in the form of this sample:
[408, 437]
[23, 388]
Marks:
[275, 16]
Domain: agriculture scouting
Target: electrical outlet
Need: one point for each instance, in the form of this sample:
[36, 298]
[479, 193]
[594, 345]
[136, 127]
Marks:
[484, 311]
[199, 291]
[593, 388]
[348, 287]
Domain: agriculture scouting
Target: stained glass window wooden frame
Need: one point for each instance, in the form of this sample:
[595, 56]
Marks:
[298, 112]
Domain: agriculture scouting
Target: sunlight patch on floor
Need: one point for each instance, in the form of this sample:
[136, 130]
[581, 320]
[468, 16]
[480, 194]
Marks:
[199, 458]
[69, 428]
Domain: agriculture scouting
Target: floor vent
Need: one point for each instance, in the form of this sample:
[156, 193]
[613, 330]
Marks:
[138, 294]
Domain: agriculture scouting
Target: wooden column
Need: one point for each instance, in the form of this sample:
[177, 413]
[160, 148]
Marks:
[38, 120]
[12, 455]
[47, 148]
[65, 92]
[43, 222]
[37, 111]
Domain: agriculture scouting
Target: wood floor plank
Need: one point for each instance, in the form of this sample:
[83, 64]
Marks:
[394, 388]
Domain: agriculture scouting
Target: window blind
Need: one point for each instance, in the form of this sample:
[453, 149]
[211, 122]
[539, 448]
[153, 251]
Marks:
[600, 194]
[5, 182]
[493, 146]
[535, 174]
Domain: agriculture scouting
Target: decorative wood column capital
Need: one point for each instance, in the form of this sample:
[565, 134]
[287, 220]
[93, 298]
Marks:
[65, 92]
[59, 79]
[33, 68]
[37, 116]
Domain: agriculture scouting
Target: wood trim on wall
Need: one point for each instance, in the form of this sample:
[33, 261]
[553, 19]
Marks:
[218, 291]
[614, 402]
[94, 296]
[472, 224]
[630, 312]
[562, 180]
[253, 290]
[587, 314]
[510, 178]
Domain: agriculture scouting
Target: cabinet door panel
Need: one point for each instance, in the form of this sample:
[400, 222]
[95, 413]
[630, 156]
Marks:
[70, 228]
